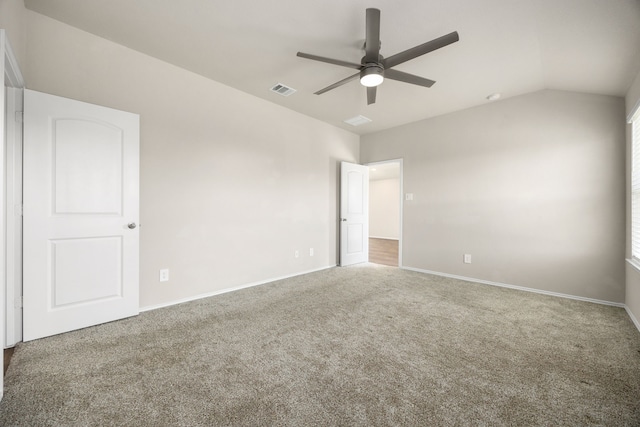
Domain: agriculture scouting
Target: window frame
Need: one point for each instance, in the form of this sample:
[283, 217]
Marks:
[634, 197]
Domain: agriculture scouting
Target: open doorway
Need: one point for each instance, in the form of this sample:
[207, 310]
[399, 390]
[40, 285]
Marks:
[385, 212]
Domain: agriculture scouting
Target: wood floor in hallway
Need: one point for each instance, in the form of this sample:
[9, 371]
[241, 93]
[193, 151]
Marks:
[383, 251]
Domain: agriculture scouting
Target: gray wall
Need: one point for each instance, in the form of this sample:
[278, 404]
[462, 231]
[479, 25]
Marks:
[13, 20]
[532, 187]
[231, 185]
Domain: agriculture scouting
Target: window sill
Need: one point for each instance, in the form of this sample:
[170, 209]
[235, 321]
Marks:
[634, 263]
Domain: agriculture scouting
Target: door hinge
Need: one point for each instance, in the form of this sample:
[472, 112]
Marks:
[19, 116]
[20, 302]
[19, 211]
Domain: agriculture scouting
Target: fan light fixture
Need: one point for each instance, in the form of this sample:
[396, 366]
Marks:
[373, 68]
[371, 76]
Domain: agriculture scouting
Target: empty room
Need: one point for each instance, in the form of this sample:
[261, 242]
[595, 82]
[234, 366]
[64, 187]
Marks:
[190, 202]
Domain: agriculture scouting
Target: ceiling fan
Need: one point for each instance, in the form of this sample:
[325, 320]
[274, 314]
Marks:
[373, 68]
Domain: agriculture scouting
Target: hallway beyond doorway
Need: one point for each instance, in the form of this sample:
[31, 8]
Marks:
[383, 251]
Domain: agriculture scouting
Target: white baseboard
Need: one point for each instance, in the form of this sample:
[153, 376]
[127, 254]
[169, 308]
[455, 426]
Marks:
[633, 318]
[519, 288]
[384, 238]
[224, 291]
[419, 270]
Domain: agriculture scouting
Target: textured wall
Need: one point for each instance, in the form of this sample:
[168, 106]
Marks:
[13, 21]
[231, 185]
[532, 187]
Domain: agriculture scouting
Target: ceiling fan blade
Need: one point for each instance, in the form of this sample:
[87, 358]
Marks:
[371, 95]
[427, 47]
[330, 60]
[336, 84]
[372, 41]
[407, 78]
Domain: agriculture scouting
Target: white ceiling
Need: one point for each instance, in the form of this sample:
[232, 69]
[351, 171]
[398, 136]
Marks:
[506, 46]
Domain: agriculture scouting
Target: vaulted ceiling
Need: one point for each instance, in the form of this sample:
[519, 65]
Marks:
[509, 47]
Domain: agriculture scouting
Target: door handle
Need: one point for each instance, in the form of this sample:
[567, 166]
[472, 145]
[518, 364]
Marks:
[131, 225]
[344, 219]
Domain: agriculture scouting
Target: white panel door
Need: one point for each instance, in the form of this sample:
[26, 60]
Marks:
[354, 213]
[81, 210]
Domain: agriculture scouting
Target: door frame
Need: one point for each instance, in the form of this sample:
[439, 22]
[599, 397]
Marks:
[400, 201]
[13, 217]
[12, 192]
[12, 78]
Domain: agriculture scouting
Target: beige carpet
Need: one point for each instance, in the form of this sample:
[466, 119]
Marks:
[364, 345]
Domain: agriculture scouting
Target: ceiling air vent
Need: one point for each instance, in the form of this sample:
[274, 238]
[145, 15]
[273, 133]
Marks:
[282, 89]
[358, 120]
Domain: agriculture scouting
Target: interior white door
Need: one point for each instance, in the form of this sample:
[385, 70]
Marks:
[354, 213]
[81, 210]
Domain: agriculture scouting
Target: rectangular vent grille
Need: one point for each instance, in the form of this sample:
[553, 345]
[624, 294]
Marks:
[358, 120]
[283, 90]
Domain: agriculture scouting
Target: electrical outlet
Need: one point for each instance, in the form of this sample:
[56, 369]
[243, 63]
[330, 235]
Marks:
[296, 254]
[310, 251]
[467, 258]
[164, 275]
